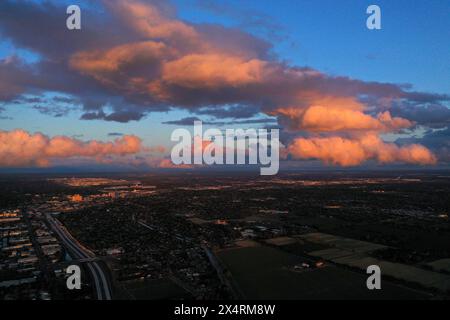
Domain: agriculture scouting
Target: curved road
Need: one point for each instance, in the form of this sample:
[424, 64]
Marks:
[78, 251]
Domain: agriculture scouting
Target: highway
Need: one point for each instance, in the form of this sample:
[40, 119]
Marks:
[79, 252]
[224, 276]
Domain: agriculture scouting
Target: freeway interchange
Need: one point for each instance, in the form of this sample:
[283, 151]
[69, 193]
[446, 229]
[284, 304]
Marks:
[100, 280]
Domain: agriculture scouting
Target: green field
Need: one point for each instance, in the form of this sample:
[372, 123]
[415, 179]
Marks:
[159, 289]
[266, 273]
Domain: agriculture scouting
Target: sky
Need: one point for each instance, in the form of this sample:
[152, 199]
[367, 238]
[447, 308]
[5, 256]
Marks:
[113, 92]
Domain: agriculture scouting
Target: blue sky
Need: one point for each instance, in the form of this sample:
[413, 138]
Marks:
[412, 47]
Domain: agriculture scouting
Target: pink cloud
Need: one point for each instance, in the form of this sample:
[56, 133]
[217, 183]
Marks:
[352, 152]
[19, 148]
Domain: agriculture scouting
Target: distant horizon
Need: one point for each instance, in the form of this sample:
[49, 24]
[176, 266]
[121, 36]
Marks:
[224, 170]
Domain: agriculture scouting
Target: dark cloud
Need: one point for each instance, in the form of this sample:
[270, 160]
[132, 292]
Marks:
[56, 111]
[254, 121]
[93, 115]
[2, 109]
[15, 78]
[234, 111]
[41, 28]
[67, 100]
[115, 134]
[189, 121]
[29, 100]
[436, 140]
[55, 106]
[123, 116]
[430, 115]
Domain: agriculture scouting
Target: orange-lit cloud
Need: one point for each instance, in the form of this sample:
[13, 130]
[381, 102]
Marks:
[167, 163]
[328, 114]
[213, 70]
[102, 64]
[19, 148]
[352, 152]
[174, 54]
[152, 21]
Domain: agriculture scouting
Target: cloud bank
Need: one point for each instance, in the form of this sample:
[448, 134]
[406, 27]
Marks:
[19, 148]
